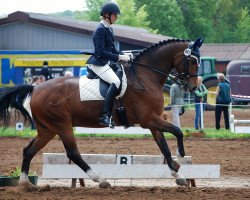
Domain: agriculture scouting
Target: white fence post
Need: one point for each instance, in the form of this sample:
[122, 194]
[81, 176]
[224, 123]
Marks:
[202, 117]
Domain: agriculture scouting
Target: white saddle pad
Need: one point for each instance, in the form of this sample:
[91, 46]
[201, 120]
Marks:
[89, 88]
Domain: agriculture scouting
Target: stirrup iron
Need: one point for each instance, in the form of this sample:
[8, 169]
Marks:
[111, 123]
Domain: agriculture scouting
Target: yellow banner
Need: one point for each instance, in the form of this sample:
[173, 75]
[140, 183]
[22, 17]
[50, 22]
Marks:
[56, 62]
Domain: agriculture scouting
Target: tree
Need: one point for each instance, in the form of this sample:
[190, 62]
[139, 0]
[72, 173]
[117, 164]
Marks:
[164, 16]
[217, 20]
[94, 6]
[197, 17]
[66, 13]
[207, 11]
[80, 15]
[244, 4]
[227, 20]
[243, 26]
[130, 16]
[224, 21]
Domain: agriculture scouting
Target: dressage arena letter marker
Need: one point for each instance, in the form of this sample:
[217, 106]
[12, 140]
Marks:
[124, 159]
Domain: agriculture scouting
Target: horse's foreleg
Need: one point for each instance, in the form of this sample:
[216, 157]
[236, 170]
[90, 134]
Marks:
[173, 165]
[165, 126]
[74, 155]
[161, 142]
[179, 136]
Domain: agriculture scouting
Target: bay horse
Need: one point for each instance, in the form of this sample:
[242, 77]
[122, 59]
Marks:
[56, 105]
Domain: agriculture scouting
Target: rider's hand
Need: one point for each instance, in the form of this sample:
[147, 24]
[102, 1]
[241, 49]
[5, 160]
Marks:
[130, 55]
[125, 58]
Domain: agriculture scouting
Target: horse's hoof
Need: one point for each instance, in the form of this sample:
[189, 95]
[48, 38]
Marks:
[181, 152]
[27, 186]
[181, 181]
[104, 184]
[175, 166]
[45, 188]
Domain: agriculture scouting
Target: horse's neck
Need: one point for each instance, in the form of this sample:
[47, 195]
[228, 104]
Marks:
[154, 69]
[140, 76]
[159, 57]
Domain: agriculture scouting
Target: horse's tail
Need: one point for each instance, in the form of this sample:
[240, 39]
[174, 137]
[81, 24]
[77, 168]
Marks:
[13, 97]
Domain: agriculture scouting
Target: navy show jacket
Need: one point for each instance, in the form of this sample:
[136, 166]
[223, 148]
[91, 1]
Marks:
[105, 50]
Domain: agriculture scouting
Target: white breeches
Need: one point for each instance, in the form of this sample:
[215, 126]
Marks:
[106, 74]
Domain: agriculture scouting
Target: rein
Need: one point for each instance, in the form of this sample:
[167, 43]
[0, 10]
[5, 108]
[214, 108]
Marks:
[183, 77]
[133, 73]
[153, 68]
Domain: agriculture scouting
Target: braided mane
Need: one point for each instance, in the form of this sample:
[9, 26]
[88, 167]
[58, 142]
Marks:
[159, 44]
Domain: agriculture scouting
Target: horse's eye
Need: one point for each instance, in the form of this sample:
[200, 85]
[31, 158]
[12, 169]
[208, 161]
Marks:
[194, 61]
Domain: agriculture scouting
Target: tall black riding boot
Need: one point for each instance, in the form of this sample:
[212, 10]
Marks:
[106, 119]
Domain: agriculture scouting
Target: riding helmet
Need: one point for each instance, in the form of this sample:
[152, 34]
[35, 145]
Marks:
[110, 8]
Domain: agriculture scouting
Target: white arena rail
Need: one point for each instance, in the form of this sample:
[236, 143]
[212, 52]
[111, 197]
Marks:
[123, 166]
[116, 130]
[234, 122]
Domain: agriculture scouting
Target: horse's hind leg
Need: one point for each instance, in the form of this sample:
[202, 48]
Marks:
[74, 155]
[173, 165]
[43, 137]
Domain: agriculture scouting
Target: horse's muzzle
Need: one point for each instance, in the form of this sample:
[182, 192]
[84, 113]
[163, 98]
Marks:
[189, 87]
[193, 89]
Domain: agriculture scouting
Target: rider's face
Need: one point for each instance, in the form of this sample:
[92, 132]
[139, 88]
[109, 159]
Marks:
[113, 18]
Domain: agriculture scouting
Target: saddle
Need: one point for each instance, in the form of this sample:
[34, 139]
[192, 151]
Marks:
[104, 86]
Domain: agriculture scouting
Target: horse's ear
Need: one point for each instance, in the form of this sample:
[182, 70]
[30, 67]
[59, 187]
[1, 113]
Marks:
[200, 42]
[195, 44]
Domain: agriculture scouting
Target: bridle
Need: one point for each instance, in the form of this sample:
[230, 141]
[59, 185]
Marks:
[183, 78]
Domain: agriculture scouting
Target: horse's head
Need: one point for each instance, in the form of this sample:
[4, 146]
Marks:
[187, 63]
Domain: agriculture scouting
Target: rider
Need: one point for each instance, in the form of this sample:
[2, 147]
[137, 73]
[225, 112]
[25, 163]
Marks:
[105, 52]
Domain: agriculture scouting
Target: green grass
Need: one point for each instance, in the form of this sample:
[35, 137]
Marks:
[210, 133]
[12, 132]
[222, 133]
